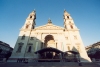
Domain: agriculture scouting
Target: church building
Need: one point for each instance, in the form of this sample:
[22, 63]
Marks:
[49, 41]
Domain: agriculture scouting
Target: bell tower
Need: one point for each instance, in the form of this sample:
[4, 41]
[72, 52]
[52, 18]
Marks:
[24, 37]
[68, 21]
[73, 37]
[30, 21]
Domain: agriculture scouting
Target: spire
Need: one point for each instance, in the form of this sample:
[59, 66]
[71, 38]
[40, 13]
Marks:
[64, 10]
[49, 21]
[66, 13]
[34, 11]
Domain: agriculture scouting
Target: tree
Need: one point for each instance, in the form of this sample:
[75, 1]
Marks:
[0, 50]
[97, 54]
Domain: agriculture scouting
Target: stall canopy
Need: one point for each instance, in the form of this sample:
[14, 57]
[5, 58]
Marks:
[73, 52]
[49, 49]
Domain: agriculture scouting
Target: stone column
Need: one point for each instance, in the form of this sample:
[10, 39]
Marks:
[36, 47]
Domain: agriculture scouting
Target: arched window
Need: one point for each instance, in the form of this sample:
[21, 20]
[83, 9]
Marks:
[71, 26]
[30, 16]
[68, 17]
[23, 37]
[29, 49]
[20, 47]
[27, 26]
[68, 48]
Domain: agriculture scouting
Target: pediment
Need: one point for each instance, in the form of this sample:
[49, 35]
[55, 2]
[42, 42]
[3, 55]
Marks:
[49, 27]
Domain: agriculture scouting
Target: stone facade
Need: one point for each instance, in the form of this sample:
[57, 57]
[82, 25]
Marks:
[32, 39]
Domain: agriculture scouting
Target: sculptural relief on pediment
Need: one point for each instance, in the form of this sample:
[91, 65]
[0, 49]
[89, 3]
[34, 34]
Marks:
[49, 27]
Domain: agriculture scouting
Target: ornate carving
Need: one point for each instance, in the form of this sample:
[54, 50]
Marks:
[50, 27]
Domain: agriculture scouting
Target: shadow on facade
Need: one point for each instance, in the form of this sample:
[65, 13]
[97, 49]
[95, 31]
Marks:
[32, 48]
[74, 56]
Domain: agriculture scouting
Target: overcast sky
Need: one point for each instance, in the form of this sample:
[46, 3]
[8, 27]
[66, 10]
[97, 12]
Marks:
[85, 13]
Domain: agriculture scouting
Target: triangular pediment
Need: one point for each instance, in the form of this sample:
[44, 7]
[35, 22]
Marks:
[49, 27]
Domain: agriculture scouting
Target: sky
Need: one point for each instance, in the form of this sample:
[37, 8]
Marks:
[85, 13]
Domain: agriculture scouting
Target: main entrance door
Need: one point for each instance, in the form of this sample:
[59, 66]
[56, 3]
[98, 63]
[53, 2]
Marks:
[49, 41]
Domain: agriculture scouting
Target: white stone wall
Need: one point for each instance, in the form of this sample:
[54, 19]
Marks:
[64, 37]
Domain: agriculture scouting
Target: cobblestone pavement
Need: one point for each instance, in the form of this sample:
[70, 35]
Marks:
[49, 64]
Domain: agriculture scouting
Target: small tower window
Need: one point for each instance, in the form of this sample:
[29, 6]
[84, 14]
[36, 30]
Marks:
[71, 26]
[30, 16]
[23, 37]
[27, 26]
[68, 17]
[29, 49]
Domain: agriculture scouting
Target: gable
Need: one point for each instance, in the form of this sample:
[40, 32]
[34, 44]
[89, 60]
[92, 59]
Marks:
[49, 27]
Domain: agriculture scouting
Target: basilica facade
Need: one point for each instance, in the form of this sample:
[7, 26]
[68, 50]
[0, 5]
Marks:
[49, 41]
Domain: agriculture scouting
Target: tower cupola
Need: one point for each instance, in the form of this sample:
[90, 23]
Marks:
[30, 21]
[49, 21]
[68, 21]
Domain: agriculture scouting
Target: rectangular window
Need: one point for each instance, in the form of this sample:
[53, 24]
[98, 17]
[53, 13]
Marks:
[29, 49]
[23, 37]
[19, 48]
[32, 38]
[68, 48]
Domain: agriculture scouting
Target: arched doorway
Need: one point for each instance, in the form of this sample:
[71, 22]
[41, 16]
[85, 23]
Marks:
[49, 41]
